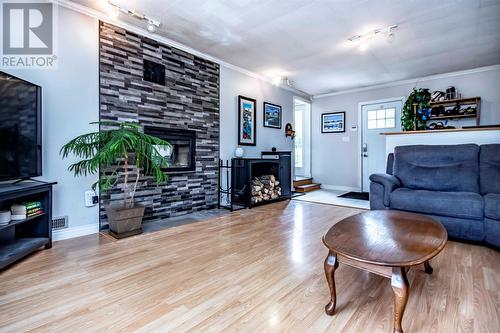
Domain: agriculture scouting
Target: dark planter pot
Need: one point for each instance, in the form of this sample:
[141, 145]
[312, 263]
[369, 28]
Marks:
[125, 222]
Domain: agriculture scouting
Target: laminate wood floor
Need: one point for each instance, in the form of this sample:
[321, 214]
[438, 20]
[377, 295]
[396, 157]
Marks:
[258, 270]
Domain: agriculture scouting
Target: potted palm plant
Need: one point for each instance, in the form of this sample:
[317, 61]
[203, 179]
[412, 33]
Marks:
[121, 151]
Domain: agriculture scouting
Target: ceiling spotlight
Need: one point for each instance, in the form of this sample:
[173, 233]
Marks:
[363, 46]
[151, 27]
[113, 11]
[277, 80]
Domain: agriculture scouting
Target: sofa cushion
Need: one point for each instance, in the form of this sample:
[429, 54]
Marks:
[492, 206]
[465, 229]
[492, 232]
[489, 168]
[453, 168]
[465, 205]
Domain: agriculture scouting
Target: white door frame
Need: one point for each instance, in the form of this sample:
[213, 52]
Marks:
[304, 100]
[360, 130]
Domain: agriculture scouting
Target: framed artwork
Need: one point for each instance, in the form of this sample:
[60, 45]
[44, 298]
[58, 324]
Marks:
[272, 115]
[333, 122]
[247, 118]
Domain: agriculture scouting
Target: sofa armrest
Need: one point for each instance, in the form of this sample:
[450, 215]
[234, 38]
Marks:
[389, 182]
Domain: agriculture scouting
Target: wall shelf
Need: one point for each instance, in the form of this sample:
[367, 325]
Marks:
[454, 102]
[457, 116]
[460, 101]
[16, 222]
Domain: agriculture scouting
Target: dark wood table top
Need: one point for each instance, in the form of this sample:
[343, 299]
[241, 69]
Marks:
[387, 238]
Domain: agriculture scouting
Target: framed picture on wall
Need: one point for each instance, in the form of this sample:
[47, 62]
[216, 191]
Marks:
[333, 122]
[272, 115]
[247, 121]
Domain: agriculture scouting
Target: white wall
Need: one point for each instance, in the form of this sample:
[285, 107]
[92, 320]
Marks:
[234, 83]
[70, 101]
[336, 163]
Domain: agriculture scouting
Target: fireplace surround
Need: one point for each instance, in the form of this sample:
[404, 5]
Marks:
[185, 108]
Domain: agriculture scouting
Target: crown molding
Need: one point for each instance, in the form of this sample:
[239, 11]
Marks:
[143, 32]
[409, 81]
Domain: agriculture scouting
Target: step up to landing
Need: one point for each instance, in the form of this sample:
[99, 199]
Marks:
[307, 187]
[298, 181]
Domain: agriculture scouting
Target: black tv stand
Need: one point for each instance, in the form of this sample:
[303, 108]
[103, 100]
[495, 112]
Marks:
[21, 237]
[26, 179]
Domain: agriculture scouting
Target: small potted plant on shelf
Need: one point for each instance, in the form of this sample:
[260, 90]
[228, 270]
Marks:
[121, 152]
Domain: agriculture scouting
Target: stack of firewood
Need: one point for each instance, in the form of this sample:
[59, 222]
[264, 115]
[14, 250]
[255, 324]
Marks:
[265, 188]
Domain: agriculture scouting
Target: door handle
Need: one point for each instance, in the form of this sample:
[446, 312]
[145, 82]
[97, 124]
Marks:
[365, 155]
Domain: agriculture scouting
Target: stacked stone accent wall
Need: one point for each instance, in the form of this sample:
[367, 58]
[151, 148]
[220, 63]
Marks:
[188, 100]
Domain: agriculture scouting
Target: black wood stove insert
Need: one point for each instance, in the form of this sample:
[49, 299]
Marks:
[182, 155]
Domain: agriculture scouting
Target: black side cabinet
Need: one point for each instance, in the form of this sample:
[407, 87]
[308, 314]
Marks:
[285, 158]
[243, 170]
[20, 238]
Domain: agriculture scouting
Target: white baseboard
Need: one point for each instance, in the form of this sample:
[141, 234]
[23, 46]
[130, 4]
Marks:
[340, 188]
[72, 232]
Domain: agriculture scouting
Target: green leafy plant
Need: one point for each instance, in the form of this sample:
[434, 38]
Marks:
[409, 119]
[113, 150]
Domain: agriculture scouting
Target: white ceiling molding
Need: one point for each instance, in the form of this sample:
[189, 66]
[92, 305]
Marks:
[144, 32]
[408, 81]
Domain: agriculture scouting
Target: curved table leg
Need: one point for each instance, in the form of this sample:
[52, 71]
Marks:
[331, 264]
[401, 288]
[427, 267]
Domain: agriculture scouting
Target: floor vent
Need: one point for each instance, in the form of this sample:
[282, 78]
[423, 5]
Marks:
[60, 223]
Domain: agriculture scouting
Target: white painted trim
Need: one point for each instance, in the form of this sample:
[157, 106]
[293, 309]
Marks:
[361, 126]
[72, 232]
[340, 188]
[144, 32]
[408, 81]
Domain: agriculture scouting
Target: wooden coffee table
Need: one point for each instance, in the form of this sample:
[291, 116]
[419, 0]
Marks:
[386, 243]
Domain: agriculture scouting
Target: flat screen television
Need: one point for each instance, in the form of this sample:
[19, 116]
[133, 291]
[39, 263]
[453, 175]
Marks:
[20, 128]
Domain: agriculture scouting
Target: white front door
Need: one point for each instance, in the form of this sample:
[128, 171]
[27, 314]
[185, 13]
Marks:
[377, 118]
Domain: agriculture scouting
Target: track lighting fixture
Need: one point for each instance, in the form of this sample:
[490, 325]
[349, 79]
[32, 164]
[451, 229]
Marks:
[363, 39]
[114, 10]
[281, 80]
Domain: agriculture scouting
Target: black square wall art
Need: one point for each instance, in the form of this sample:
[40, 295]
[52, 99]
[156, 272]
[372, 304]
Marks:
[154, 72]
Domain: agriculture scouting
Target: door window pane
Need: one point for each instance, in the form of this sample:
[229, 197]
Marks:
[390, 113]
[390, 123]
[372, 124]
[383, 118]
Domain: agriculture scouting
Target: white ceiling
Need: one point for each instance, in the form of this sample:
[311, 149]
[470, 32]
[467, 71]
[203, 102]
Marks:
[307, 40]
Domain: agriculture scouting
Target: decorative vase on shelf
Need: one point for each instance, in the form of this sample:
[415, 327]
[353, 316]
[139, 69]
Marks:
[239, 152]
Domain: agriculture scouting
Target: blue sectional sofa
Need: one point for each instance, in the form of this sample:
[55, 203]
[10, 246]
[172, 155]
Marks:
[459, 185]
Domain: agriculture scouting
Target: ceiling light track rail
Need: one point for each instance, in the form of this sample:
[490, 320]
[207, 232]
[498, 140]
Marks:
[114, 11]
